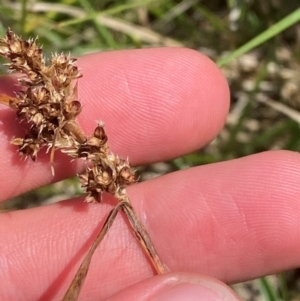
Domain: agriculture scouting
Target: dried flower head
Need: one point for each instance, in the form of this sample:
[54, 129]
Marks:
[48, 102]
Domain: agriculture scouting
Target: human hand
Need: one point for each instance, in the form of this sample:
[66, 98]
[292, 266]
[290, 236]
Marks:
[233, 220]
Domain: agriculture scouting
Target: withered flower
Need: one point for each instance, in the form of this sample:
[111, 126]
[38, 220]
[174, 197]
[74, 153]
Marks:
[46, 96]
[48, 102]
[109, 173]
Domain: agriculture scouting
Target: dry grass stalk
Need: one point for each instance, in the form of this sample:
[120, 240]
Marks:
[77, 282]
[48, 102]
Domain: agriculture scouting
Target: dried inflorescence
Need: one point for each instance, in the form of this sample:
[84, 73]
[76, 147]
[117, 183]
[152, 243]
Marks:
[48, 102]
[108, 172]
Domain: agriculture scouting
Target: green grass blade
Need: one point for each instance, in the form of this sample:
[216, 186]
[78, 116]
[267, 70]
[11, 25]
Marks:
[23, 15]
[110, 11]
[274, 30]
[268, 290]
[102, 31]
[284, 287]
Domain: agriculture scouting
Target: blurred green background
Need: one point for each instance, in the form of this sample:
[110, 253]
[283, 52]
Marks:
[256, 44]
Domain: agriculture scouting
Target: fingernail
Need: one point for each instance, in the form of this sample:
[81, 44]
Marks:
[196, 292]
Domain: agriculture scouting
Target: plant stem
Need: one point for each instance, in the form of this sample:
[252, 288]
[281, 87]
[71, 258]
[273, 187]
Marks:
[143, 237]
[141, 234]
[73, 291]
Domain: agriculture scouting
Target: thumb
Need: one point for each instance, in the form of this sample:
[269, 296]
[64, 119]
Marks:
[177, 287]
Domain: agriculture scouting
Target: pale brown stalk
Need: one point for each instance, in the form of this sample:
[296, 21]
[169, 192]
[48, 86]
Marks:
[143, 237]
[73, 291]
[141, 234]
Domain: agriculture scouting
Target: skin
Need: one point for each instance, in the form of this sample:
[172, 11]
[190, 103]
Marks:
[230, 221]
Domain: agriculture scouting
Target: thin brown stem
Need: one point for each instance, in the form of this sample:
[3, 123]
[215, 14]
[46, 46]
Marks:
[144, 238]
[73, 291]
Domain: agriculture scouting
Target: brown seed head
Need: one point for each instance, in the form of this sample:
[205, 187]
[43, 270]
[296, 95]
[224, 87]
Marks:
[48, 102]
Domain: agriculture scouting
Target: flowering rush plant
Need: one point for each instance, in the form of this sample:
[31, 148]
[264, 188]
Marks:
[47, 100]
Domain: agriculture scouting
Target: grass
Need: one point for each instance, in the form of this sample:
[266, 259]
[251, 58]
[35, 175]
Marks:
[255, 43]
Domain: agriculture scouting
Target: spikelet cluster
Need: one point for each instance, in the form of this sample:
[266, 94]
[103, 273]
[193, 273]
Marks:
[48, 102]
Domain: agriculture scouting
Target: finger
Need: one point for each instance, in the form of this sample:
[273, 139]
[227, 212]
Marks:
[157, 104]
[234, 220]
[180, 286]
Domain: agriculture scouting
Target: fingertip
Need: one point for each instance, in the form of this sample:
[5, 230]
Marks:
[177, 286]
[234, 202]
[166, 101]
